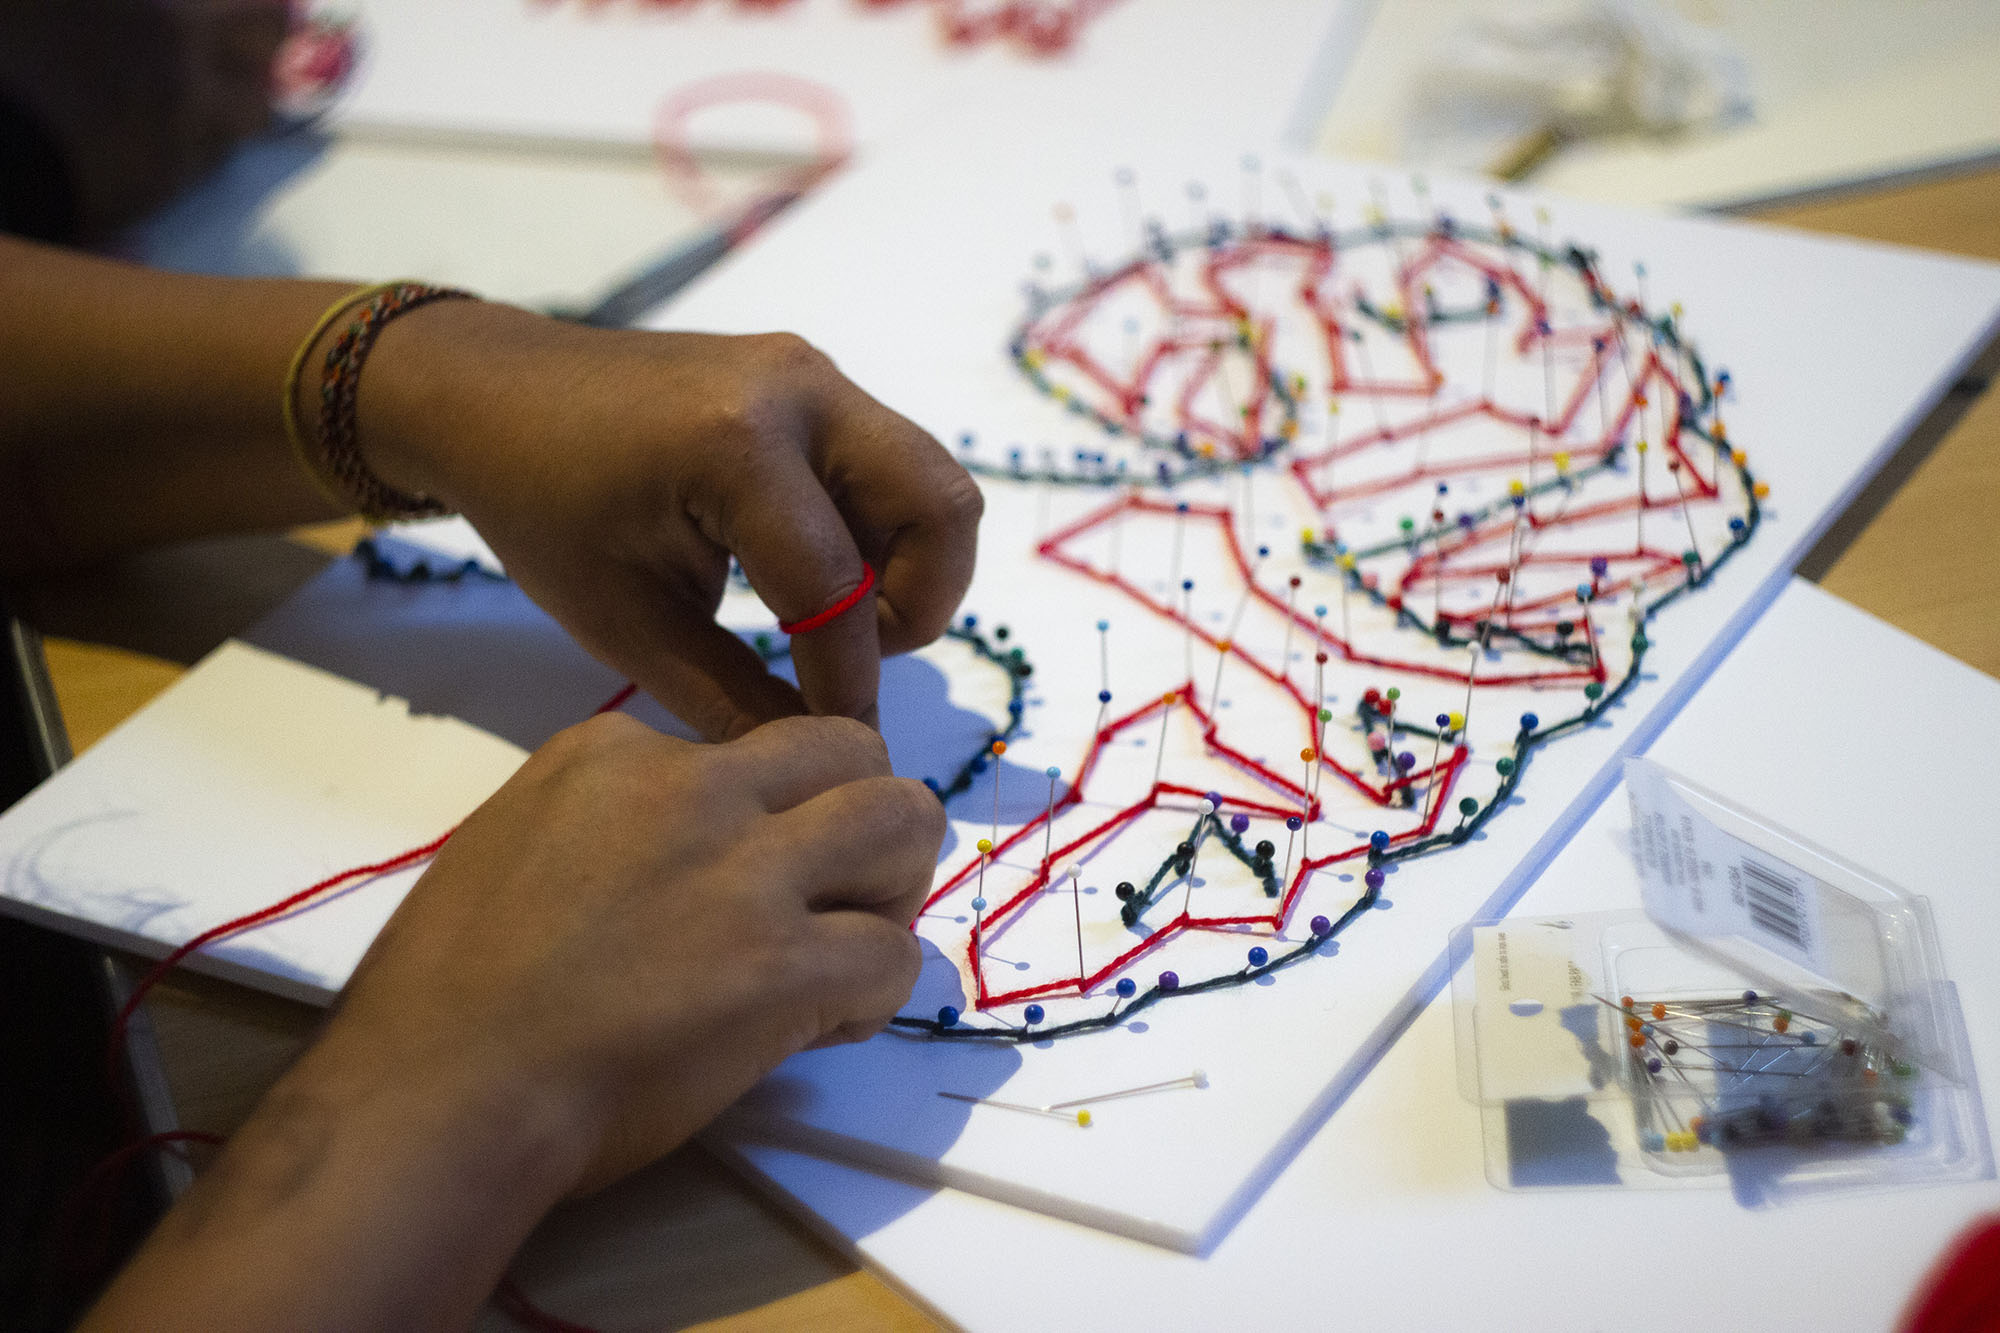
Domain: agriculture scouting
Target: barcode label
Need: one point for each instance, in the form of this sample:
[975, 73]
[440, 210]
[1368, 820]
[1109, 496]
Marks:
[1710, 883]
[1775, 904]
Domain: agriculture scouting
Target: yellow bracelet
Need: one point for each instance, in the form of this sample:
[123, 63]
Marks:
[321, 478]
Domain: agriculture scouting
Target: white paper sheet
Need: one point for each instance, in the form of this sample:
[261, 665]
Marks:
[571, 70]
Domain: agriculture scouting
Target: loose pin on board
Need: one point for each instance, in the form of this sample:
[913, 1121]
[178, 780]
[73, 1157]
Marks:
[1197, 1079]
[1080, 1118]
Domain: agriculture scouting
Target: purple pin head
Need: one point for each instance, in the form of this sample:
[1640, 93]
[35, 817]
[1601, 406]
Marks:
[1214, 798]
[1373, 879]
[1406, 761]
[1599, 566]
[1238, 823]
[1170, 981]
[1320, 926]
[1294, 823]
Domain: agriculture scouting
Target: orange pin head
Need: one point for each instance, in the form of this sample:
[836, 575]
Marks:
[1760, 489]
[1308, 754]
[999, 748]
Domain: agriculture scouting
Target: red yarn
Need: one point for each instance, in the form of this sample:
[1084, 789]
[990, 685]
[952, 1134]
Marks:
[838, 609]
[1962, 1293]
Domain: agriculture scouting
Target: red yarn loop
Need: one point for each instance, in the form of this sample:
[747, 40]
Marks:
[838, 609]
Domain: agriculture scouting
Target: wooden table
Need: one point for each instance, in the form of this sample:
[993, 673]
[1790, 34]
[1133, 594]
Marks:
[724, 1257]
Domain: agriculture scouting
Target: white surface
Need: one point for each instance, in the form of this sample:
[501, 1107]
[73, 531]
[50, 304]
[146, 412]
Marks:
[598, 72]
[530, 225]
[1385, 1220]
[1843, 92]
[153, 835]
[1835, 351]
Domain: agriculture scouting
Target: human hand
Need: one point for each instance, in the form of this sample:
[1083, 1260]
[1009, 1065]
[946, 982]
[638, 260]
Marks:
[615, 473]
[608, 952]
[635, 929]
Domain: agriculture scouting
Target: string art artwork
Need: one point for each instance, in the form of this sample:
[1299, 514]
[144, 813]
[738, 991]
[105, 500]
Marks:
[1036, 27]
[1404, 497]
[1407, 496]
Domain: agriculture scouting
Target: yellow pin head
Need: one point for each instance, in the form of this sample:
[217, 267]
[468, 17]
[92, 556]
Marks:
[1517, 487]
[1083, 1119]
[1562, 461]
[984, 845]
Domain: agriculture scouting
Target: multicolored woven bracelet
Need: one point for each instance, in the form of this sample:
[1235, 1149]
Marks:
[335, 457]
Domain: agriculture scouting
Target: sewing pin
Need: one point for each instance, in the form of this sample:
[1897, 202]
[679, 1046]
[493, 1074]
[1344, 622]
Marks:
[1049, 821]
[1208, 808]
[1075, 873]
[1081, 1119]
[1291, 614]
[1198, 1079]
[998, 748]
[1187, 635]
[1160, 756]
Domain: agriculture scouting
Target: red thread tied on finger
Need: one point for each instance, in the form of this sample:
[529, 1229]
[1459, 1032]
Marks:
[838, 609]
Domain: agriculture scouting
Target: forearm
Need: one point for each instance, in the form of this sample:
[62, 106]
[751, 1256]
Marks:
[138, 406]
[362, 1194]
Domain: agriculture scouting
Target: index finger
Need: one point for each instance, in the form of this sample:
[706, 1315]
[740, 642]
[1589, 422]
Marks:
[914, 504]
[797, 552]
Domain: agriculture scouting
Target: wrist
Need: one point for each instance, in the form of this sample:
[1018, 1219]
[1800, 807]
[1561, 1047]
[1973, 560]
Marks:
[466, 1113]
[352, 403]
[376, 1186]
[428, 392]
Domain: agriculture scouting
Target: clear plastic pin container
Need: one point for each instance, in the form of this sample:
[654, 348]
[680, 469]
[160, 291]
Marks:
[1776, 1019]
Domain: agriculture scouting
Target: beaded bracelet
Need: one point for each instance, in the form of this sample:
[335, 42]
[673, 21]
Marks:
[334, 460]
